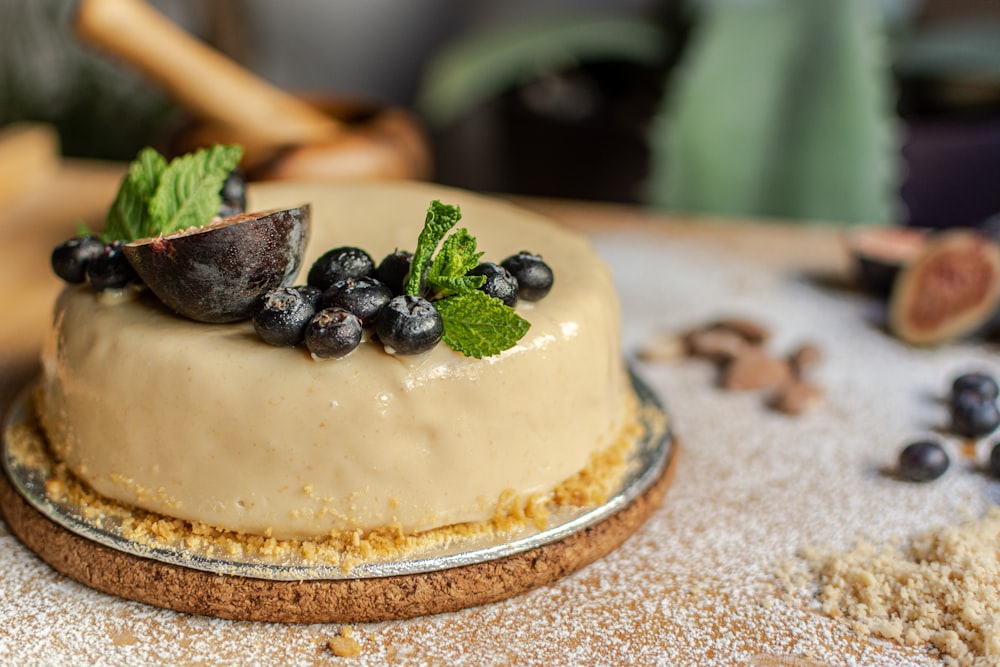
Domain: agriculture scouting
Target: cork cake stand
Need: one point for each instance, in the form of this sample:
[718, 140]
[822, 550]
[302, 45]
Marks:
[492, 575]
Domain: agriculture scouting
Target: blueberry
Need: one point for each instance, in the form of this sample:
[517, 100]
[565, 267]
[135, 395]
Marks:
[234, 194]
[994, 462]
[333, 333]
[979, 383]
[364, 297]
[340, 263]
[282, 317]
[393, 270]
[499, 282]
[311, 294]
[923, 461]
[534, 277]
[409, 325]
[110, 269]
[69, 260]
[973, 415]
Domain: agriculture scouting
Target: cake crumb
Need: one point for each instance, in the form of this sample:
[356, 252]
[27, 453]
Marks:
[938, 588]
[344, 645]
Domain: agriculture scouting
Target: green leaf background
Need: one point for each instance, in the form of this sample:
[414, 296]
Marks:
[781, 109]
[484, 64]
[775, 108]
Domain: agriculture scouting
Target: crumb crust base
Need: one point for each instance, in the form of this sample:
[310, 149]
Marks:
[322, 601]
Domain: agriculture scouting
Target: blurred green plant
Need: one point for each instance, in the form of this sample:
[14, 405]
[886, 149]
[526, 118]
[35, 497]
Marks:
[780, 108]
[484, 65]
[771, 108]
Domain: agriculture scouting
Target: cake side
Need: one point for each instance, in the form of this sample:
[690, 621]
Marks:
[206, 423]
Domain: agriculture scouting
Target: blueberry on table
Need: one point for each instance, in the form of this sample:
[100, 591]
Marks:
[340, 263]
[499, 282]
[364, 297]
[282, 317]
[973, 415]
[409, 325]
[332, 333]
[110, 269]
[534, 276]
[69, 259]
[923, 461]
[394, 268]
[978, 382]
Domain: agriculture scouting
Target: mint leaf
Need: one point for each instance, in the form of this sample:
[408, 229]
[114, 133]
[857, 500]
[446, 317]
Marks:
[456, 258]
[440, 218]
[478, 325]
[128, 217]
[188, 193]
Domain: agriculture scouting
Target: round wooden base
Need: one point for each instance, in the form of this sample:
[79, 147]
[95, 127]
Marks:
[321, 601]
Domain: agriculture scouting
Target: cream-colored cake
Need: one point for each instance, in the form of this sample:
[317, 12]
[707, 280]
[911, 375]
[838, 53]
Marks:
[207, 423]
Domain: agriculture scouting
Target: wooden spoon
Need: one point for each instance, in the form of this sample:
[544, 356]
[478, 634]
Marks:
[200, 78]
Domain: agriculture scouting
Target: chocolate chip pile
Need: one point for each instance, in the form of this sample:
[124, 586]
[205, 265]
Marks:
[738, 347]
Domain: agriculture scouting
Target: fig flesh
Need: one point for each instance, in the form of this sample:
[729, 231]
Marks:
[950, 291]
[217, 272]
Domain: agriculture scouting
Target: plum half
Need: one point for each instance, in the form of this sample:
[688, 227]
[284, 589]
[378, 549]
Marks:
[217, 272]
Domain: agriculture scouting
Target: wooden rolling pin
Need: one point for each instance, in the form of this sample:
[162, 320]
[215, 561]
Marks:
[201, 79]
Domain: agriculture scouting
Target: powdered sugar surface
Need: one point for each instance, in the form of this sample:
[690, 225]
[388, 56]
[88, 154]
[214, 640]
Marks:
[696, 585]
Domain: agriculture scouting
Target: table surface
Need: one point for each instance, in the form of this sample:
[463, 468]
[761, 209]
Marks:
[698, 583]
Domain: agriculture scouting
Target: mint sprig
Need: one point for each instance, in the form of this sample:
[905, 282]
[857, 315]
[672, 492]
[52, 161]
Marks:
[188, 193]
[479, 325]
[157, 197]
[457, 257]
[475, 324]
[440, 218]
[128, 217]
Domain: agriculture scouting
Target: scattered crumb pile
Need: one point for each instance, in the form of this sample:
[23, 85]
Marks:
[738, 346]
[942, 588]
[344, 645]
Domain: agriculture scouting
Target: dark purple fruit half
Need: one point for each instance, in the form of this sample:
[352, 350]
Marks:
[217, 273]
[880, 252]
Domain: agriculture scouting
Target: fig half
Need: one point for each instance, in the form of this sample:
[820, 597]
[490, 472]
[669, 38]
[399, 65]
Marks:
[879, 253]
[950, 291]
[217, 272]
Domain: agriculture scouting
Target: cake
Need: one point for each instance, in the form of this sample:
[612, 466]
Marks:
[208, 424]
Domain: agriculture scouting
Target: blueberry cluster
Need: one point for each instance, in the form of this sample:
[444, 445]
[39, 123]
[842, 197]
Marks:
[88, 259]
[346, 293]
[974, 414]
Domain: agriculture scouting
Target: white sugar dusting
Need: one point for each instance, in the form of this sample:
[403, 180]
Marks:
[697, 584]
